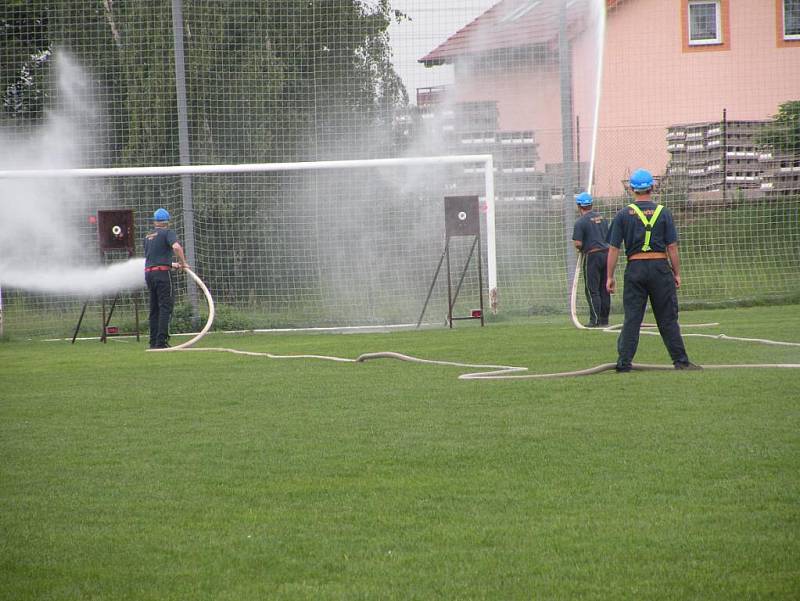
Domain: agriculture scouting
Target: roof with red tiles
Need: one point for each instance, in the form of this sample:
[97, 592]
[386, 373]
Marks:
[509, 24]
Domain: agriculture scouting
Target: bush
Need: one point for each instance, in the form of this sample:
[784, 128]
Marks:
[226, 318]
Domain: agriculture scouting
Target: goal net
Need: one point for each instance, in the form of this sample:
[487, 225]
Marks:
[320, 244]
[540, 86]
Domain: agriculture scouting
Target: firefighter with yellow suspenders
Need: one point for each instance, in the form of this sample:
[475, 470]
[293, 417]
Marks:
[653, 272]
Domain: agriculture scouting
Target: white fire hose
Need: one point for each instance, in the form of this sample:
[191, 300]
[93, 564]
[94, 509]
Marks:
[206, 328]
[496, 372]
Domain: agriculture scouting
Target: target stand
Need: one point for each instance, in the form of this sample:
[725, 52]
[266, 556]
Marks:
[461, 219]
[115, 233]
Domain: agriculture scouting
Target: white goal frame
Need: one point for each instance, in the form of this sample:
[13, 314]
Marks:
[486, 159]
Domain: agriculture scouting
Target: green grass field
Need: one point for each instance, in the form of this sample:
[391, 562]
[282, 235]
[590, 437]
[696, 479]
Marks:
[133, 475]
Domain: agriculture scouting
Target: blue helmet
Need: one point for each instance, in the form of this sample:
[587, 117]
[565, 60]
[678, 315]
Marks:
[641, 179]
[584, 199]
[161, 215]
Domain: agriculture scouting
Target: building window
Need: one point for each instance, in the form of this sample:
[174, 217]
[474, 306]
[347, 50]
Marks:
[791, 19]
[705, 23]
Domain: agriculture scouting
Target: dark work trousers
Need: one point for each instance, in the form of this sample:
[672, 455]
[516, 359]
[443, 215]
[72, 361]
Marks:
[161, 302]
[594, 274]
[650, 278]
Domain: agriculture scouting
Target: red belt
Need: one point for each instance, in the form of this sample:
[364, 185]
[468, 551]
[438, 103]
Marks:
[647, 255]
[158, 268]
[596, 250]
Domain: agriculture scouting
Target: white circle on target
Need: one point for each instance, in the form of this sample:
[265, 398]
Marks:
[462, 216]
[116, 230]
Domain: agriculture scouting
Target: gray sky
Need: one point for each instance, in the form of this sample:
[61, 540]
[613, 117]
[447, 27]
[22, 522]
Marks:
[431, 23]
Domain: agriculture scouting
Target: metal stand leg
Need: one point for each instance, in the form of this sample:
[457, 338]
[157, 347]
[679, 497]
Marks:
[103, 333]
[449, 292]
[104, 337]
[80, 320]
[433, 282]
[136, 313]
[135, 298]
[464, 272]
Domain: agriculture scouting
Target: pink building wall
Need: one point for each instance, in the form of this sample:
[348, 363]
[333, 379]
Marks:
[525, 100]
[650, 81]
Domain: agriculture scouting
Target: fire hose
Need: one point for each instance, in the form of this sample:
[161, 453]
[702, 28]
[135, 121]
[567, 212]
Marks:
[495, 372]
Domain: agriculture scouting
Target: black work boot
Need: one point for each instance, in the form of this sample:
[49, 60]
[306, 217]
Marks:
[687, 365]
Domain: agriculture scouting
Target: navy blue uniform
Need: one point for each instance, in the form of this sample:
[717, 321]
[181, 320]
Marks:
[647, 278]
[158, 261]
[591, 230]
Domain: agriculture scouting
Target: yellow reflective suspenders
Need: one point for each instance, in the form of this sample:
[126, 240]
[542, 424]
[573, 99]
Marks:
[648, 224]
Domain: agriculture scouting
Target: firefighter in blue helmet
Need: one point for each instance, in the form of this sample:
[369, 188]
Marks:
[653, 272]
[589, 236]
[159, 247]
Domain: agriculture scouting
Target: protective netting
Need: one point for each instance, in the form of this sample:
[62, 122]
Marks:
[703, 101]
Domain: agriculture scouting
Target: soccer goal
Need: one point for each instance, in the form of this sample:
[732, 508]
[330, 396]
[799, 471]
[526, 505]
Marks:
[283, 245]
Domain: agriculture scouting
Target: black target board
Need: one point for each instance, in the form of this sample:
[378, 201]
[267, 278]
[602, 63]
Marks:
[462, 216]
[115, 230]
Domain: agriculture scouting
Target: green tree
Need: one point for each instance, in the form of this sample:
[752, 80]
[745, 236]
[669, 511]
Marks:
[783, 135]
[282, 80]
[25, 55]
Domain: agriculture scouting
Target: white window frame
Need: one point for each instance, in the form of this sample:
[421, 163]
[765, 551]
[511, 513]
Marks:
[789, 36]
[718, 23]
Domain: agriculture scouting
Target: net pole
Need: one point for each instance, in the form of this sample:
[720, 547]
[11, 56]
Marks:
[184, 151]
[567, 137]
